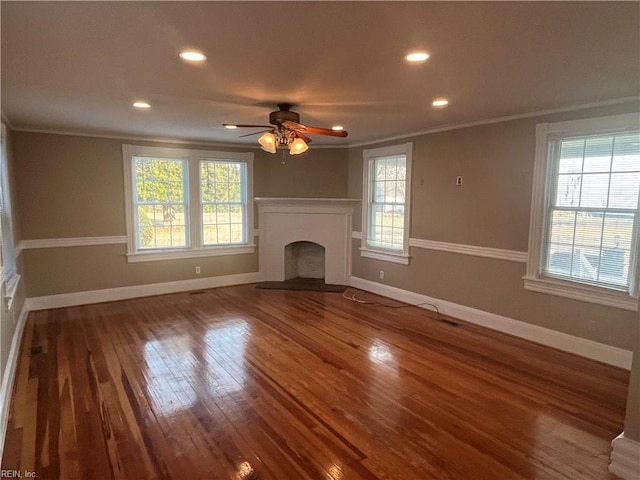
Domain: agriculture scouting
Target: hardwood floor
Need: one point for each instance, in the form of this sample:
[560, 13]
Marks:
[246, 384]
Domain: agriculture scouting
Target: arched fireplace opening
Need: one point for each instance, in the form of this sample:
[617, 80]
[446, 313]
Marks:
[304, 260]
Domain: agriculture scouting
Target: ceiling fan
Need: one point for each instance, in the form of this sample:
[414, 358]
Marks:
[286, 130]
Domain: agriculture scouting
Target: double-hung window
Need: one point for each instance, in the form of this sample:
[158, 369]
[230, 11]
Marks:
[187, 203]
[386, 185]
[584, 231]
[9, 277]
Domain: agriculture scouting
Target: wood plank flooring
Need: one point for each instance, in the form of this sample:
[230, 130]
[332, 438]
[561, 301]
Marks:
[245, 384]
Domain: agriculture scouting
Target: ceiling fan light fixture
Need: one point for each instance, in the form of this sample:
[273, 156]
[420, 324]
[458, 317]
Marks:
[142, 105]
[337, 128]
[298, 146]
[230, 126]
[268, 142]
[440, 103]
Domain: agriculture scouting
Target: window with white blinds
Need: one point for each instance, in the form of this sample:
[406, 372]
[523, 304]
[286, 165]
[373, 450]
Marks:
[584, 235]
[593, 209]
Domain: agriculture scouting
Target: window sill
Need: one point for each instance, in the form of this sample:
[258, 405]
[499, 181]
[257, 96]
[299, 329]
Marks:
[602, 296]
[385, 256]
[155, 255]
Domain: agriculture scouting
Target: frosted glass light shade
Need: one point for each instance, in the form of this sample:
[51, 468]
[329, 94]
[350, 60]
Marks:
[268, 142]
[298, 146]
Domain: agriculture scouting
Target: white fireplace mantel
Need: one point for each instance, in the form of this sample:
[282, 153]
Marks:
[325, 221]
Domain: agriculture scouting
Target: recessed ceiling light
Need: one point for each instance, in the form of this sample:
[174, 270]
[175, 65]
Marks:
[416, 57]
[192, 56]
[230, 127]
[337, 128]
[440, 102]
[141, 105]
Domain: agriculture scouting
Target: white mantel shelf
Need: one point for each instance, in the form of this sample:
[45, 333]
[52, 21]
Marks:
[325, 221]
[338, 202]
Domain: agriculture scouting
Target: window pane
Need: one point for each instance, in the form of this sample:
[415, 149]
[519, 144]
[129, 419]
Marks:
[559, 259]
[626, 155]
[585, 263]
[379, 167]
[377, 214]
[568, 191]
[210, 233]
[562, 227]
[144, 176]
[595, 190]
[571, 155]
[145, 237]
[236, 233]
[209, 214]
[618, 230]
[597, 157]
[165, 176]
[588, 229]
[391, 168]
[178, 236]
[236, 213]
[224, 233]
[624, 190]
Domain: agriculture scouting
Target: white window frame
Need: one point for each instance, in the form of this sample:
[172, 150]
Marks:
[195, 247]
[369, 250]
[534, 280]
[9, 277]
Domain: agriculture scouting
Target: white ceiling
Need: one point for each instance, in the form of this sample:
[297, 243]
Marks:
[78, 66]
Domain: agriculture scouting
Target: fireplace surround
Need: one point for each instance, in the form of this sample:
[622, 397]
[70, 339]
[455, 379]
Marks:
[322, 221]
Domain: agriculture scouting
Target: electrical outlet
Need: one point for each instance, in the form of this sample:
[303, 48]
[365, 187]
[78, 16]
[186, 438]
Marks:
[459, 181]
[381, 274]
[198, 270]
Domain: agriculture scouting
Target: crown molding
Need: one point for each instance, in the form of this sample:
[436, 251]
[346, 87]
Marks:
[429, 131]
[134, 138]
[488, 121]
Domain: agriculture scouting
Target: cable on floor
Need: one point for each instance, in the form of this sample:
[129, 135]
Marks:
[354, 298]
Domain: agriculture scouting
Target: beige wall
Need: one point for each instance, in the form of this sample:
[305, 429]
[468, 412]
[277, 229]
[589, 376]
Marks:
[491, 209]
[320, 173]
[73, 186]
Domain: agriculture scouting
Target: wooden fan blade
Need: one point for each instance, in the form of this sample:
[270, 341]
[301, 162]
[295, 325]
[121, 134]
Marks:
[294, 126]
[246, 126]
[306, 139]
[315, 130]
[326, 131]
[255, 133]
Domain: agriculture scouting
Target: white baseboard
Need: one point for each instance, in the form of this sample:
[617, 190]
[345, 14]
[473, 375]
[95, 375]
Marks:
[134, 291]
[625, 458]
[9, 374]
[617, 357]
